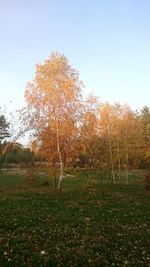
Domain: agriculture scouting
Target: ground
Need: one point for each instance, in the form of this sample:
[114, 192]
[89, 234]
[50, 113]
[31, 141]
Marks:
[90, 223]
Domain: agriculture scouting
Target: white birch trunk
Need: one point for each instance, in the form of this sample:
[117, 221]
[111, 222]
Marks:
[60, 157]
[127, 155]
[118, 151]
[127, 163]
[110, 152]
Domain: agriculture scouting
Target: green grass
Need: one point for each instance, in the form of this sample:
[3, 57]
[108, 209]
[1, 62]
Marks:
[91, 223]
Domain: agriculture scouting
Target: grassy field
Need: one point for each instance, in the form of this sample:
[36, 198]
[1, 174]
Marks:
[91, 223]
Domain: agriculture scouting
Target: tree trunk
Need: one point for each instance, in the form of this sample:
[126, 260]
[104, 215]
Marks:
[60, 174]
[0, 157]
[118, 151]
[110, 152]
[127, 163]
[127, 155]
[60, 157]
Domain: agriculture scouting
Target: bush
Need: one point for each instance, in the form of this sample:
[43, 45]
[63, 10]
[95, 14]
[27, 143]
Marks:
[147, 180]
[31, 176]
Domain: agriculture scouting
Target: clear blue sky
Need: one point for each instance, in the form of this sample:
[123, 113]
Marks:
[108, 41]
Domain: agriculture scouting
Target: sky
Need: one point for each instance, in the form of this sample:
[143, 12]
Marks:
[107, 41]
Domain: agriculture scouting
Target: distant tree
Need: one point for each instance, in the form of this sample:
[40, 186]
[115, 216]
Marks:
[144, 119]
[4, 134]
[106, 132]
[14, 153]
[4, 129]
[88, 139]
[18, 154]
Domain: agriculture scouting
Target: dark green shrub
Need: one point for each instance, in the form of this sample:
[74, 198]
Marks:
[147, 180]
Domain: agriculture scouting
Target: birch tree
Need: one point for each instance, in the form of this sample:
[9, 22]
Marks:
[88, 134]
[105, 125]
[55, 104]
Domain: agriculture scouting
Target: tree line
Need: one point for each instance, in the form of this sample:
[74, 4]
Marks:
[69, 130]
